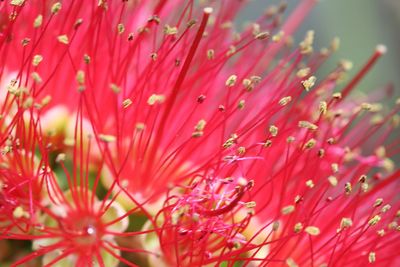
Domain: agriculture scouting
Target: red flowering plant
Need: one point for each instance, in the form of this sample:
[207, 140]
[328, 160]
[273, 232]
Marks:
[151, 133]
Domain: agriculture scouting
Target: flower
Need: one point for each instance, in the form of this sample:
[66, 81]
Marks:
[151, 133]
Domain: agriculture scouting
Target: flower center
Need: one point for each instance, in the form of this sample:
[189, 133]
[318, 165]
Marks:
[85, 231]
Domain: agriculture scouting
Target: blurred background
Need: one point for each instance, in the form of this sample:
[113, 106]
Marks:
[361, 25]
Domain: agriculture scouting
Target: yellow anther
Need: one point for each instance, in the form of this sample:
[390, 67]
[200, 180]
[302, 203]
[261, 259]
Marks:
[17, 2]
[120, 28]
[333, 180]
[312, 230]
[371, 257]
[107, 138]
[378, 202]
[56, 7]
[287, 209]
[126, 103]
[273, 130]
[310, 143]
[63, 39]
[285, 100]
[345, 223]
[310, 183]
[309, 83]
[323, 107]
[307, 125]
[348, 188]
[210, 54]
[306, 44]
[231, 81]
[154, 99]
[36, 60]
[374, 220]
[168, 30]
[38, 21]
[298, 227]
[241, 104]
[301, 73]
[115, 88]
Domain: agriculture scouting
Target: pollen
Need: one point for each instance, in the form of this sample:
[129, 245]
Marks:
[86, 59]
[231, 50]
[310, 143]
[298, 227]
[231, 81]
[120, 28]
[323, 107]
[337, 96]
[115, 88]
[45, 101]
[306, 44]
[312, 230]
[291, 263]
[348, 188]
[241, 104]
[107, 138]
[28, 102]
[366, 106]
[12, 87]
[278, 37]
[335, 167]
[301, 73]
[287, 209]
[168, 30]
[273, 130]
[378, 202]
[333, 180]
[241, 150]
[267, 143]
[310, 183]
[17, 2]
[210, 54]
[262, 35]
[63, 39]
[285, 100]
[155, 99]
[25, 41]
[56, 7]
[140, 126]
[198, 129]
[371, 257]
[374, 220]
[80, 77]
[309, 83]
[290, 139]
[200, 125]
[36, 60]
[60, 157]
[250, 205]
[19, 213]
[345, 223]
[308, 125]
[126, 103]
[230, 141]
[38, 21]
[386, 208]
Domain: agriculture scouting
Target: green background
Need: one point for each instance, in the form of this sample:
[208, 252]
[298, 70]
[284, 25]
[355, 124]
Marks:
[361, 25]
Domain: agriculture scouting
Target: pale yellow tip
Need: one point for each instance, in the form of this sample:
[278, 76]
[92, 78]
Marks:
[381, 49]
[208, 10]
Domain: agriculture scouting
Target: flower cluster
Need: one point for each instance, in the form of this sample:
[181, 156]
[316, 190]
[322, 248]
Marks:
[153, 133]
